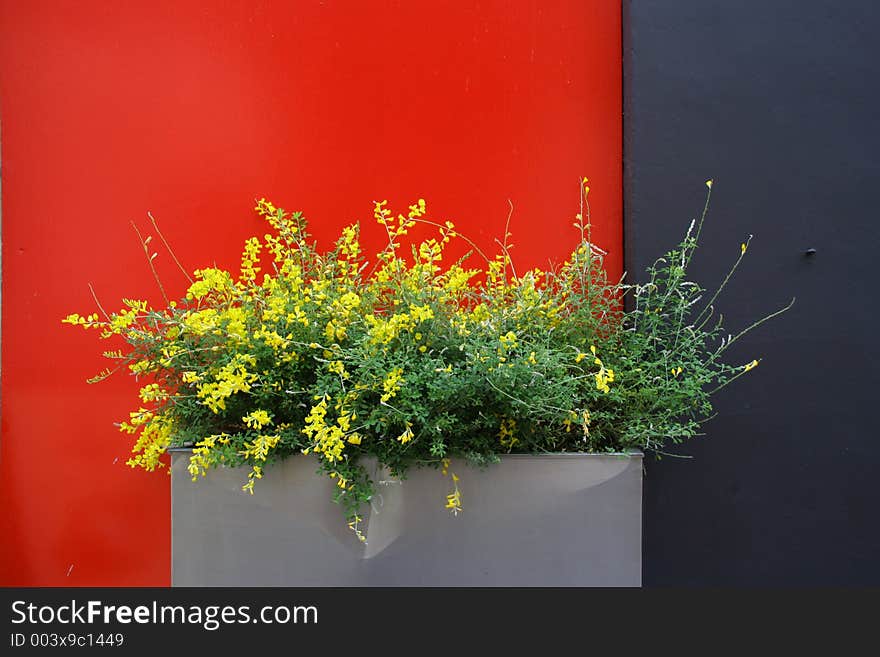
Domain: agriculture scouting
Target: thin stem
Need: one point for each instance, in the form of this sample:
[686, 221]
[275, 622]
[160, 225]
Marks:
[726, 279]
[700, 225]
[754, 325]
[168, 248]
[730, 380]
[504, 248]
[457, 234]
[524, 403]
[98, 303]
[144, 244]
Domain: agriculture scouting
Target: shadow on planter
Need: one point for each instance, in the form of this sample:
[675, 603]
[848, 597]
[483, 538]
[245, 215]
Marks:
[545, 520]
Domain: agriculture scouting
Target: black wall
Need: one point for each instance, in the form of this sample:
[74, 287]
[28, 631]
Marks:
[779, 102]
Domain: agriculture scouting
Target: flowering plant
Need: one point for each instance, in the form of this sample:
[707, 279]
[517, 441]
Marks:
[411, 362]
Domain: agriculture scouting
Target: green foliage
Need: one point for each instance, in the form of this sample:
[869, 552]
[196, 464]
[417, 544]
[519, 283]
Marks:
[413, 362]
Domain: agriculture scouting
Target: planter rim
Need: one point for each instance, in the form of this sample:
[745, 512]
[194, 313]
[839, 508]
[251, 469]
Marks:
[634, 453]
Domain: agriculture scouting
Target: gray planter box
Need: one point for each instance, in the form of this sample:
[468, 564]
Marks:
[548, 520]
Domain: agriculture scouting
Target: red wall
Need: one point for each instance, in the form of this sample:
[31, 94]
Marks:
[190, 110]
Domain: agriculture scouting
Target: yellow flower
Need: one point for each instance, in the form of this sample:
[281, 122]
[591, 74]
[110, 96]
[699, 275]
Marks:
[506, 433]
[249, 258]
[453, 501]
[380, 213]
[337, 367]
[229, 380]
[259, 448]
[255, 473]
[353, 525]
[421, 313]
[257, 419]
[86, 322]
[750, 366]
[508, 340]
[392, 383]
[141, 366]
[211, 280]
[417, 210]
[328, 439]
[407, 435]
[603, 378]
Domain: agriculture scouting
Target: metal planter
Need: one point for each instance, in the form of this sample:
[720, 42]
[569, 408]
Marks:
[544, 520]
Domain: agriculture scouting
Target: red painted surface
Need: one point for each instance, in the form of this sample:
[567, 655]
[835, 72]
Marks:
[190, 110]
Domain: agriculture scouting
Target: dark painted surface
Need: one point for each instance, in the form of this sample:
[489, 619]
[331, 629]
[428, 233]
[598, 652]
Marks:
[778, 102]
